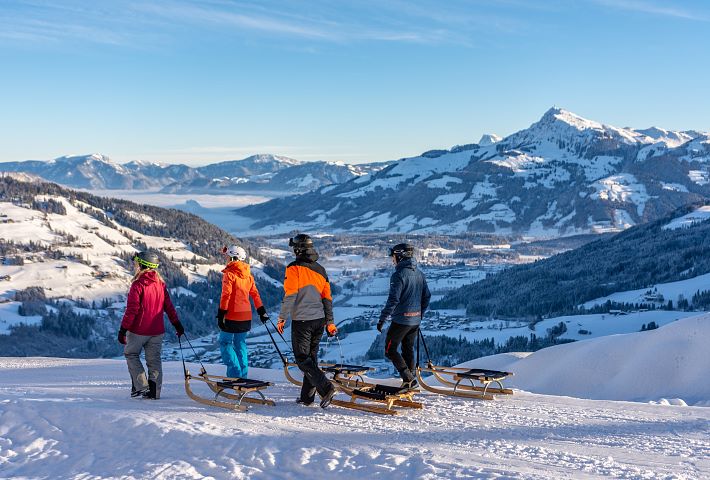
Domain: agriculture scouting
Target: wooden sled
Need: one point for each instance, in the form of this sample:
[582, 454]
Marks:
[221, 387]
[478, 386]
[381, 399]
[350, 376]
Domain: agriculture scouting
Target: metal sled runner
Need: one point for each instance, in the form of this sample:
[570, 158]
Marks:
[230, 393]
[474, 383]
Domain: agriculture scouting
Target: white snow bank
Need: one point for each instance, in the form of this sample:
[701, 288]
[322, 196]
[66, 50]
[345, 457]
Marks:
[670, 362]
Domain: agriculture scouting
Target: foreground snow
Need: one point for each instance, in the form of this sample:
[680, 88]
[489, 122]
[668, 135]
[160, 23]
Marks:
[73, 419]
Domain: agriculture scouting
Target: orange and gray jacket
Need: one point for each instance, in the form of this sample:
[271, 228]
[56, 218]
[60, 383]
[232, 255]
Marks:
[306, 291]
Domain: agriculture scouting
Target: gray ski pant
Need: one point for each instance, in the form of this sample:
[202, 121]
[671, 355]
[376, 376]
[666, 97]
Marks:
[132, 351]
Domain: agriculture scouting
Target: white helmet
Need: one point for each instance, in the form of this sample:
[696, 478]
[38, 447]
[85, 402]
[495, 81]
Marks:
[235, 251]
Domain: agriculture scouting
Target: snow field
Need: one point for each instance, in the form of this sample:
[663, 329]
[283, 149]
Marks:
[74, 419]
[669, 362]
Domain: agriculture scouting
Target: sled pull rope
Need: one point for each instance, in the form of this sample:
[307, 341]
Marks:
[426, 349]
[197, 357]
[340, 347]
[184, 368]
[273, 340]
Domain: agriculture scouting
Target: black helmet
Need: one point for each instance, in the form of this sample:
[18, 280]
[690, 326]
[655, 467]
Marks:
[300, 242]
[401, 250]
[147, 259]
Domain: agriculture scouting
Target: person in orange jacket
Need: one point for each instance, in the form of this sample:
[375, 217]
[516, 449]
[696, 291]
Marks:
[307, 300]
[234, 315]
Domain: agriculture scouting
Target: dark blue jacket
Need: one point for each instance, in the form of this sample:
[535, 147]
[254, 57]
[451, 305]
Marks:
[409, 295]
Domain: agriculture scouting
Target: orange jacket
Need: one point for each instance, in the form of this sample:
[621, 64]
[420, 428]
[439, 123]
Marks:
[237, 286]
[306, 292]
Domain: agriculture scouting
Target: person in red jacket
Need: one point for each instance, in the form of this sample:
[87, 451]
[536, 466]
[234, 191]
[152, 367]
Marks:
[142, 326]
[234, 315]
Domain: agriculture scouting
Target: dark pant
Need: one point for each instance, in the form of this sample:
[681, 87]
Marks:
[305, 339]
[406, 335]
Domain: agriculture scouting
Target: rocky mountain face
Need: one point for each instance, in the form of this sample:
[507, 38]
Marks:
[258, 173]
[563, 175]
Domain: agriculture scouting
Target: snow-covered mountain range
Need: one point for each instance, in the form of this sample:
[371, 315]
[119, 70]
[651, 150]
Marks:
[563, 175]
[257, 173]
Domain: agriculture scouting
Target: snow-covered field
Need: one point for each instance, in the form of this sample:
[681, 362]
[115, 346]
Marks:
[670, 291]
[73, 419]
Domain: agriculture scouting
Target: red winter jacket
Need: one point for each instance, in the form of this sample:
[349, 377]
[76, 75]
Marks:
[148, 298]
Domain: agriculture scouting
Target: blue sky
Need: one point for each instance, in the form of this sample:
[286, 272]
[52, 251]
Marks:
[190, 81]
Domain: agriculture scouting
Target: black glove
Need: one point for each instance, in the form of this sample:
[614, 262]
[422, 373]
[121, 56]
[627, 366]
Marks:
[380, 324]
[122, 336]
[263, 316]
[220, 318]
[179, 329]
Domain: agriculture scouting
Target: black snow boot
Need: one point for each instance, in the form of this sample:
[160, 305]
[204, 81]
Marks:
[409, 381]
[151, 393]
[328, 397]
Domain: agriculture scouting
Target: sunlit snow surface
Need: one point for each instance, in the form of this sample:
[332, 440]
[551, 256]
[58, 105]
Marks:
[74, 419]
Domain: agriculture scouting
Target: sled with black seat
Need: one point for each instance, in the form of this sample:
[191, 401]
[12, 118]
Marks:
[381, 399]
[340, 373]
[230, 393]
[474, 383]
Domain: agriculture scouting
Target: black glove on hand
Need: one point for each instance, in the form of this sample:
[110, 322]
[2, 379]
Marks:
[179, 329]
[263, 316]
[122, 336]
[380, 324]
[220, 318]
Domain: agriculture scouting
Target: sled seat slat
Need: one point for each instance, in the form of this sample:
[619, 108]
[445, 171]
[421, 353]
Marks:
[242, 383]
[379, 392]
[483, 375]
[346, 369]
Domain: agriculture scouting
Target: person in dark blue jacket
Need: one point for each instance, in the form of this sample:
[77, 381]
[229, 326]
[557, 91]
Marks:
[407, 301]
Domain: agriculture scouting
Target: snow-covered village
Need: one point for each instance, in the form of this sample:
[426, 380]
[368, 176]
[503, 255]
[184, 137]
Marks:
[280, 240]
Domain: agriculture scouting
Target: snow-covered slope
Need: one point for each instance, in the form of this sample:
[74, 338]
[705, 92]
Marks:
[74, 419]
[61, 248]
[563, 175]
[670, 362]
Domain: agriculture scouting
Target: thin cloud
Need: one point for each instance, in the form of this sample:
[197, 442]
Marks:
[654, 9]
[140, 24]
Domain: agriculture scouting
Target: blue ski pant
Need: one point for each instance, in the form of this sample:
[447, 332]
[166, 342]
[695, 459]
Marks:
[233, 347]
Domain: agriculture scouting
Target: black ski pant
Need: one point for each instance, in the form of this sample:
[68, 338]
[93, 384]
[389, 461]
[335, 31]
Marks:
[405, 335]
[305, 339]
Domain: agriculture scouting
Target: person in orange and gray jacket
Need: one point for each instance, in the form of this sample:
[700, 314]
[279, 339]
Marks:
[307, 300]
[234, 315]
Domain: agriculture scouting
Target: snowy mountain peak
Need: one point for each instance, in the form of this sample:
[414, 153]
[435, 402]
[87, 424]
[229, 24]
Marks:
[269, 158]
[86, 158]
[560, 115]
[489, 139]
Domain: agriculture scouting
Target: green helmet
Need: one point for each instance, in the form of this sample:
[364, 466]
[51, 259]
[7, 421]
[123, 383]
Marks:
[147, 259]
